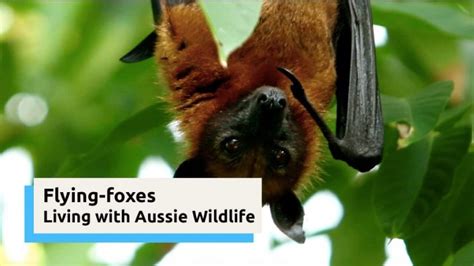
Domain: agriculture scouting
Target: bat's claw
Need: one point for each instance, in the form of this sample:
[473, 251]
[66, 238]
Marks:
[296, 87]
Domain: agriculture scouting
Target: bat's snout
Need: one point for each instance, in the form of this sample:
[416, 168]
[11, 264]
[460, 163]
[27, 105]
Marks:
[271, 99]
[268, 109]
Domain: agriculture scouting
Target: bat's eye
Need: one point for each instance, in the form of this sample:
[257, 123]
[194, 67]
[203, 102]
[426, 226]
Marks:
[281, 157]
[232, 145]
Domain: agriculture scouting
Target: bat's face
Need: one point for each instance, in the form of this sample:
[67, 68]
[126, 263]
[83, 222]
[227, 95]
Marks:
[256, 137]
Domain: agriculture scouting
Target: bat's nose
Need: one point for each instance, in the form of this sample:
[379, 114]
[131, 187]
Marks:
[269, 106]
[271, 99]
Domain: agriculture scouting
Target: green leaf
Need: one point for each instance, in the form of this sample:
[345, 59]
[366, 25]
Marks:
[421, 111]
[448, 149]
[451, 226]
[413, 181]
[465, 256]
[233, 28]
[151, 254]
[438, 15]
[396, 110]
[427, 106]
[452, 117]
[397, 185]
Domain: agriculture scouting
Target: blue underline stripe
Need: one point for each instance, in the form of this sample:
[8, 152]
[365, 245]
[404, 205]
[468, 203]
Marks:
[29, 213]
[155, 238]
[30, 236]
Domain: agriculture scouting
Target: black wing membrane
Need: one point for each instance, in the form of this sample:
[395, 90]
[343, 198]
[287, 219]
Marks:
[288, 214]
[145, 49]
[359, 126]
[194, 167]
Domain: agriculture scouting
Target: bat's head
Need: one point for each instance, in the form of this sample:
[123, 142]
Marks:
[255, 137]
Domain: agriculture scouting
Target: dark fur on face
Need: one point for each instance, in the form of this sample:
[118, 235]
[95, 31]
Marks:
[256, 137]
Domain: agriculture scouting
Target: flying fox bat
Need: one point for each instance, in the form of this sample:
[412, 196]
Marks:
[256, 116]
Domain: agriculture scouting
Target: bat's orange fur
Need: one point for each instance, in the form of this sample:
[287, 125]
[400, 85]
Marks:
[293, 34]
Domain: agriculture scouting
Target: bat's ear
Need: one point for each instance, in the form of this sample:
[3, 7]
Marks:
[194, 167]
[287, 214]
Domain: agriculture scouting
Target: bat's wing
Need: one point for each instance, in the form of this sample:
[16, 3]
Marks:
[359, 130]
[287, 214]
[193, 167]
[359, 114]
[145, 49]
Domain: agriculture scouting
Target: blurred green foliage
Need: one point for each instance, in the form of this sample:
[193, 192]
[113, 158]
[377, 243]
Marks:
[105, 117]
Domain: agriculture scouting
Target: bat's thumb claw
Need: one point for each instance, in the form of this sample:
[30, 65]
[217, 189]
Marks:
[296, 87]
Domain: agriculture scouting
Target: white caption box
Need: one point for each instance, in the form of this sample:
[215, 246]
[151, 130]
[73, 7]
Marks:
[130, 205]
